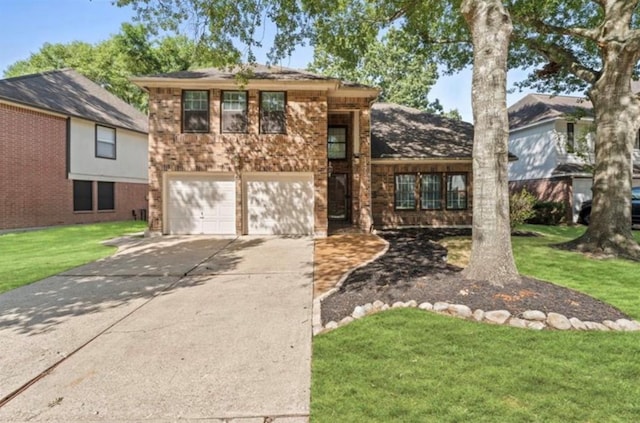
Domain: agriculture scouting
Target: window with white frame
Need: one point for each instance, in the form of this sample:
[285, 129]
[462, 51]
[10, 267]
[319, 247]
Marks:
[234, 112]
[105, 142]
[405, 194]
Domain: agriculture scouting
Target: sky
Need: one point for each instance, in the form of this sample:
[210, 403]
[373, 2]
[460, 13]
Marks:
[28, 24]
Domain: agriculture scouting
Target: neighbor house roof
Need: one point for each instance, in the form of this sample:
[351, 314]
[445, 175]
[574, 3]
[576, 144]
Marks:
[250, 76]
[535, 108]
[400, 132]
[69, 93]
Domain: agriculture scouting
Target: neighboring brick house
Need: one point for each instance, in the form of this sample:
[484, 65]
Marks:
[279, 152]
[421, 168]
[70, 152]
[552, 138]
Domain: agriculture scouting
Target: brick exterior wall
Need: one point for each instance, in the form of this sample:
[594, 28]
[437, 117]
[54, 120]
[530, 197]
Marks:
[302, 149]
[554, 189]
[34, 190]
[383, 190]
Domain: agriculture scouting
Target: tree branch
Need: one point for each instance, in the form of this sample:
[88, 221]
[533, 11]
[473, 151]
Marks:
[557, 54]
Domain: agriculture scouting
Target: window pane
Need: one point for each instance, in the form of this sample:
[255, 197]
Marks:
[337, 143]
[195, 111]
[105, 142]
[234, 111]
[457, 192]
[431, 192]
[106, 196]
[272, 113]
[405, 194]
[82, 195]
[272, 102]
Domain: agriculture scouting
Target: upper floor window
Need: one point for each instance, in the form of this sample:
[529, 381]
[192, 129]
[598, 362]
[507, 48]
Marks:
[273, 113]
[405, 195]
[234, 111]
[195, 111]
[337, 142]
[571, 136]
[457, 191]
[105, 142]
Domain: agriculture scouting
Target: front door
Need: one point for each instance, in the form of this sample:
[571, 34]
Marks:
[338, 196]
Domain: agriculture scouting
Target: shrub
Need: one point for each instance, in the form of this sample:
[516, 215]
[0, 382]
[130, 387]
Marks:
[521, 206]
[548, 213]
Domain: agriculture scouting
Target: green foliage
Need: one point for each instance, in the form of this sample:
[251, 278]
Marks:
[392, 64]
[110, 63]
[30, 256]
[548, 213]
[521, 206]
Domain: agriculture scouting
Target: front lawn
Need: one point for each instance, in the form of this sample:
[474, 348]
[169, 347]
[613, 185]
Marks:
[413, 366]
[30, 256]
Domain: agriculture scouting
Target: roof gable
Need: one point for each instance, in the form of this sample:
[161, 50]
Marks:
[69, 93]
[536, 108]
[405, 133]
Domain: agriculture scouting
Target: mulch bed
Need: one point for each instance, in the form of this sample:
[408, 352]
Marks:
[415, 268]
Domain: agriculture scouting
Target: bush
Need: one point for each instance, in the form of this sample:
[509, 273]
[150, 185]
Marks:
[548, 213]
[521, 206]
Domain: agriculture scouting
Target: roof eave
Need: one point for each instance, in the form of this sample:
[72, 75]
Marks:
[333, 87]
[65, 115]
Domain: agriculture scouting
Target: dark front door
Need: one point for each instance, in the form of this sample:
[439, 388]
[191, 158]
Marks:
[338, 196]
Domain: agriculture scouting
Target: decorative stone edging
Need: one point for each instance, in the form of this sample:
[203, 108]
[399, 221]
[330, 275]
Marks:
[530, 319]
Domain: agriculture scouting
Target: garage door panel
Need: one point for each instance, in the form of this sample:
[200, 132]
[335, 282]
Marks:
[201, 205]
[280, 207]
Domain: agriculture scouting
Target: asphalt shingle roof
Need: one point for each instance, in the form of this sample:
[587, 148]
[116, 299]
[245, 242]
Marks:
[69, 93]
[534, 108]
[406, 133]
[256, 71]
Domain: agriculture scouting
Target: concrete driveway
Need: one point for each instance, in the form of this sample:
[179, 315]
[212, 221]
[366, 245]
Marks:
[173, 328]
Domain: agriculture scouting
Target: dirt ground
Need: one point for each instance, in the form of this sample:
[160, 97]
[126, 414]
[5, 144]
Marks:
[338, 253]
[415, 268]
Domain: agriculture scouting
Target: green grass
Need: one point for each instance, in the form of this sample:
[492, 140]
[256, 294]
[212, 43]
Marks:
[30, 256]
[614, 281]
[413, 366]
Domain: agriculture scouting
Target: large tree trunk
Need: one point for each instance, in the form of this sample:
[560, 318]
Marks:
[617, 112]
[491, 255]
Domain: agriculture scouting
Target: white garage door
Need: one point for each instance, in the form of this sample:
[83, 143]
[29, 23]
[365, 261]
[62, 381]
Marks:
[201, 205]
[279, 204]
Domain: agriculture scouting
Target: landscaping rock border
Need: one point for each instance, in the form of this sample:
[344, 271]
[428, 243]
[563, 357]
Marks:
[530, 319]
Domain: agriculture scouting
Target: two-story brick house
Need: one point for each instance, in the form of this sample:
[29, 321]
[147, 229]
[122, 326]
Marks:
[70, 152]
[279, 152]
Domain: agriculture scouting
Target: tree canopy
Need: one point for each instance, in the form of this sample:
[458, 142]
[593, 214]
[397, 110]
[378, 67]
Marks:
[110, 63]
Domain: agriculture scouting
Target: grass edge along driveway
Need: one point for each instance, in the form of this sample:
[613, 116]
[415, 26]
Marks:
[412, 366]
[34, 255]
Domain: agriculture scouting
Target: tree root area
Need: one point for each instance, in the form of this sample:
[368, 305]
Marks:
[415, 268]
